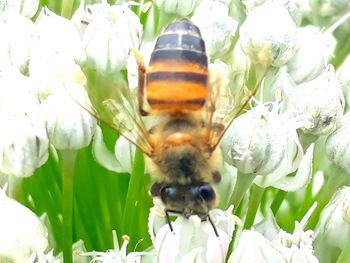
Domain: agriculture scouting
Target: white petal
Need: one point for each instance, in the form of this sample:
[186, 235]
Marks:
[302, 176]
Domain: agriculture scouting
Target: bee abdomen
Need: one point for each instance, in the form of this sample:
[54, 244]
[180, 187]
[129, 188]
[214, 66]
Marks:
[177, 79]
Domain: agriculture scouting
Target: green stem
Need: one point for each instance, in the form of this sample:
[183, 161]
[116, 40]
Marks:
[132, 203]
[345, 254]
[254, 203]
[68, 163]
[67, 8]
[243, 182]
[335, 180]
[277, 201]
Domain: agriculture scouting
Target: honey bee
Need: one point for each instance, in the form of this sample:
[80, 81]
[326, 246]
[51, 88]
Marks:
[191, 110]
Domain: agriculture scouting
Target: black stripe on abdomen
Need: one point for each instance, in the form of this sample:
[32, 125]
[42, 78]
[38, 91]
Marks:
[180, 41]
[200, 78]
[179, 55]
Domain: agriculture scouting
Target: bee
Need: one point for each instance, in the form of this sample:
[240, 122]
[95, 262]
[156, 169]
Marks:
[191, 112]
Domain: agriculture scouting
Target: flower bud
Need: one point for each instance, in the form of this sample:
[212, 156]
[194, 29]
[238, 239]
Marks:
[338, 144]
[57, 37]
[333, 227]
[293, 7]
[27, 8]
[181, 8]
[217, 29]
[23, 138]
[265, 143]
[329, 8]
[342, 73]
[18, 35]
[314, 50]
[109, 36]
[68, 126]
[255, 141]
[268, 35]
[320, 102]
[22, 233]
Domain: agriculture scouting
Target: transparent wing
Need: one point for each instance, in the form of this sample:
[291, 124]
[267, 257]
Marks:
[225, 103]
[110, 100]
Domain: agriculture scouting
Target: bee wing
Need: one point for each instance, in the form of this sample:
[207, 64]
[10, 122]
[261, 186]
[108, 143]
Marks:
[112, 102]
[225, 104]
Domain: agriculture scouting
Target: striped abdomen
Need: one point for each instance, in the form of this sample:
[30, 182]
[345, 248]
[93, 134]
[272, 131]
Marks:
[178, 72]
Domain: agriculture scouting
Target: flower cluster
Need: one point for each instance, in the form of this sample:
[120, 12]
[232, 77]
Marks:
[291, 52]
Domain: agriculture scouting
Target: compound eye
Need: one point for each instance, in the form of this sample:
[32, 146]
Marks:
[169, 193]
[207, 192]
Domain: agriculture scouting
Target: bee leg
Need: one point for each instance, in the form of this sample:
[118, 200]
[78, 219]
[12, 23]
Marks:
[212, 224]
[141, 81]
[166, 211]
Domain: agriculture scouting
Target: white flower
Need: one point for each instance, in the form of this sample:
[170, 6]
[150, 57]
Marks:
[254, 247]
[23, 138]
[314, 50]
[22, 232]
[119, 255]
[293, 7]
[320, 102]
[68, 126]
[179, 7]
[298, 245]
[109, 36]
[264, 142]
[281, 247]
[27, 8]
[217, 29]
[268, 35]
[342, 74]
[18, 34]
[333, 227]
[57, 37]
[255, 142]
[338, 144]
[191, 239]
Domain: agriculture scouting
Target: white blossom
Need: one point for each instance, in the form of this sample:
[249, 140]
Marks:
[320, 102]
[338, 144]
[109, 36]
[119, 254]
[57, 37]
[314, 49]
[22, 233]
[342, 74]
[334, 225]
[18, 35]
[27, 8]
[293, 7]
[23, 138]
[191, 239]
[217, 29]
[254, 247]
[268, 35]
[255, 142]
[281, 247]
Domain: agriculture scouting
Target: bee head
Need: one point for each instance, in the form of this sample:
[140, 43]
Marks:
[190, 199]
